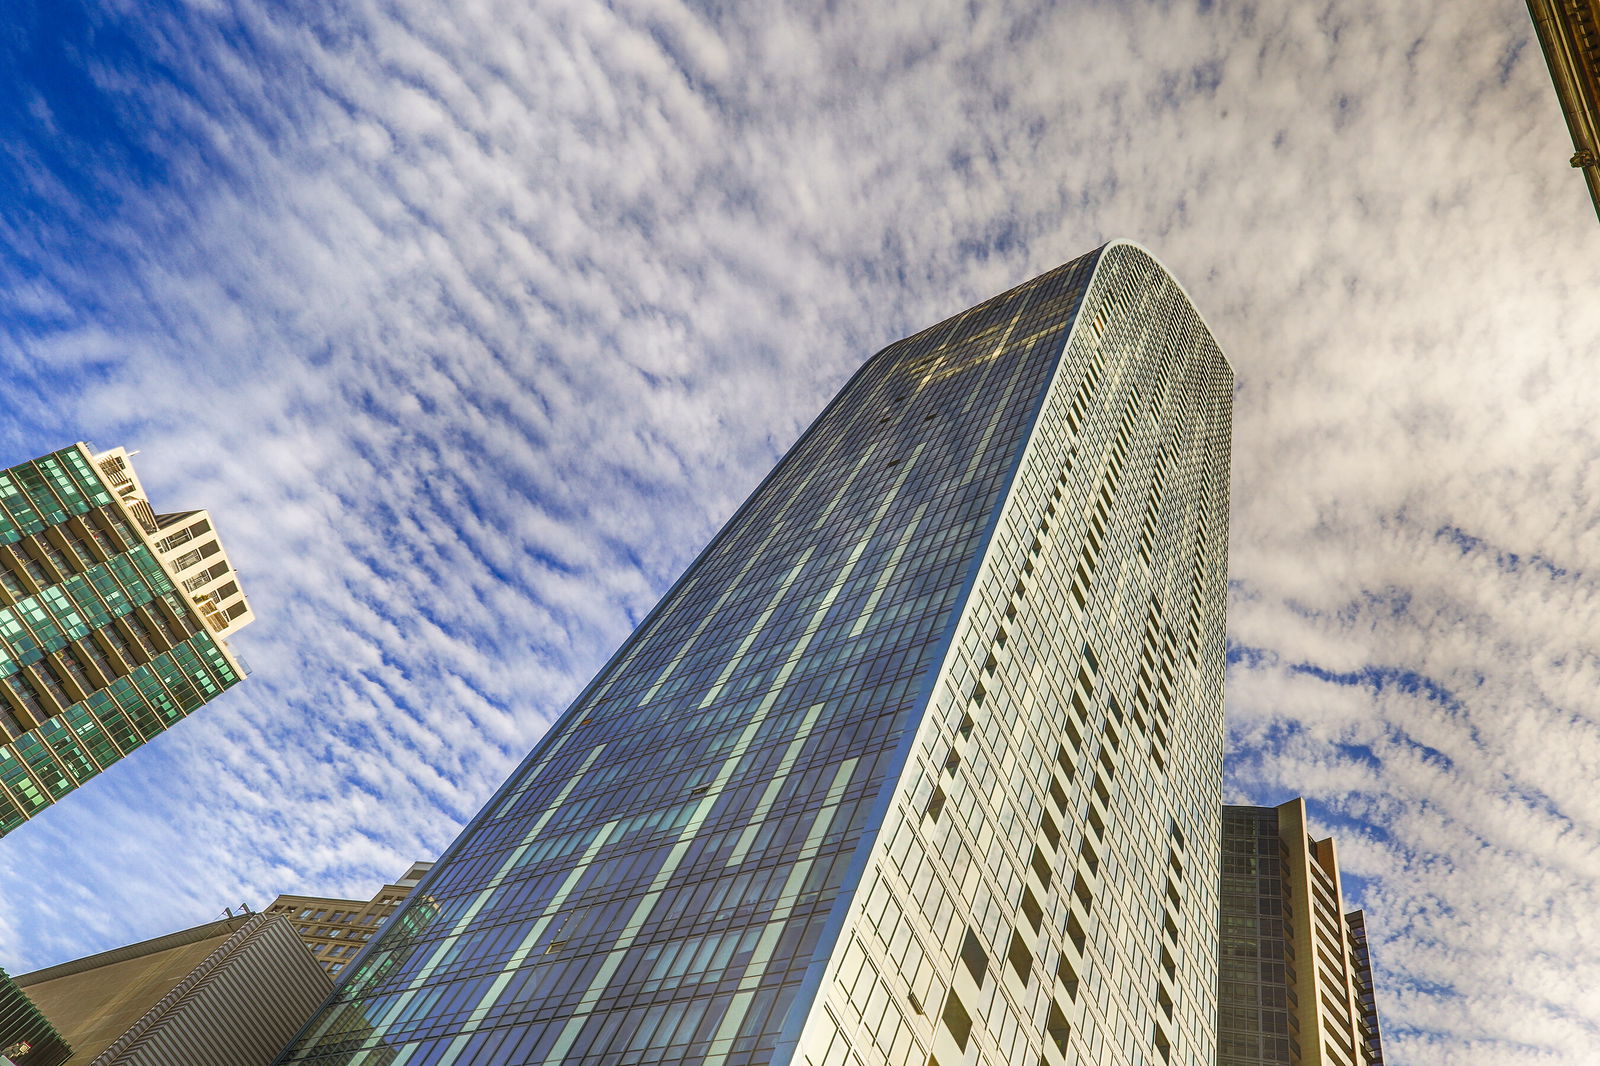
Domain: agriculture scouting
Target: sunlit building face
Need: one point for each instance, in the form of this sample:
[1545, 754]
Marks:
[113, 622]
[918, 762]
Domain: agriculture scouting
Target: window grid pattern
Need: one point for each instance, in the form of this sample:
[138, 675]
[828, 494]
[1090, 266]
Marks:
[654, 883]
[98, 652]
[1044, 890]
[1255, 1024]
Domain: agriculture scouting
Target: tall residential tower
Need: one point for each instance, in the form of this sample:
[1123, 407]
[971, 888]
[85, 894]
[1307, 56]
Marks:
[919, 762]
[112, 622]
[1296, 979]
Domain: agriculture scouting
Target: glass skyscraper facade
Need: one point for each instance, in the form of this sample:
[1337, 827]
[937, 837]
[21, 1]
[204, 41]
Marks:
[112, 621]
[918, 762]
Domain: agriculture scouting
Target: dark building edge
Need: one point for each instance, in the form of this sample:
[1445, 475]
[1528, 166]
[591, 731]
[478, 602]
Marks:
[1576, 81]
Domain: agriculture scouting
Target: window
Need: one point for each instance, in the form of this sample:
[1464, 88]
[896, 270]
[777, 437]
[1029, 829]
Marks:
[957, 1020]
[975, 958]
[1020, 957]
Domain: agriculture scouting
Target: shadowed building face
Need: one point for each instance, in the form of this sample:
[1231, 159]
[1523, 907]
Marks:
[919, 760]
[1296, 978]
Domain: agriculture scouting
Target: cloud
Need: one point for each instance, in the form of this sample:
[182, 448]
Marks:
[472, 324]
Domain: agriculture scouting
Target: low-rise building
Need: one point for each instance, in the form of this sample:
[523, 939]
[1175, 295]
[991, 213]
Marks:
[228, 993]
[334, 929]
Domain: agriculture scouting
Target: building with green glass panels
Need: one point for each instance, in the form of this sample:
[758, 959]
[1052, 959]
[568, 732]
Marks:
[919, 762]
[112, 622]
[27, 1037]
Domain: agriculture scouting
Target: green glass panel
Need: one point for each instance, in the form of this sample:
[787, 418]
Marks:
[131, 702]
[33, 483]
[110, 590]
[128, 577]
[88, 480]
[115, 721]
[14, 776]
[24, 648]
[16, 502]
[220, 668]
[44, 627]
[92, 734]
[194, 670]
[68, 753]
[180, 687]
[156, 696]
[11, 815]
[64, 612]
[81, 589]
[45, 768]
[147, 565]
[63, 487]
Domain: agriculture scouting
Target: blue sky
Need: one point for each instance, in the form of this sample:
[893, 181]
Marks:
[472, 322]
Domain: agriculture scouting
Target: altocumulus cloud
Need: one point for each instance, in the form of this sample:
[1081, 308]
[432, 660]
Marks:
[473, 321]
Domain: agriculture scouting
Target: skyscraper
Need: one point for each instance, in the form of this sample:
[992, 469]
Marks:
[918, 762]
[1296, 980]
[112, 622]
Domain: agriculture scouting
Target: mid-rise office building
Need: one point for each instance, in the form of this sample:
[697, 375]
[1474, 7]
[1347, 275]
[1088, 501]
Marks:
[918, 763]
[335, 930]
[113, 622]
[1296, 979]
[228, 993]
[1569, 34]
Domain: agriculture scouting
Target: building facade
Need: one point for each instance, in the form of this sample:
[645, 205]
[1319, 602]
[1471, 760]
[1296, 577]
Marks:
[229, 993]
[1569, 34]
[1295, 985]
[1366, 995]
[919, 762]
[335, 930]
[113, 621]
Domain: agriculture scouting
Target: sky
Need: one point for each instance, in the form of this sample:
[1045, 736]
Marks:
[472, 322]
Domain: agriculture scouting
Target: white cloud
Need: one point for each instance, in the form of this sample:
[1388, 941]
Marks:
[472, 323]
